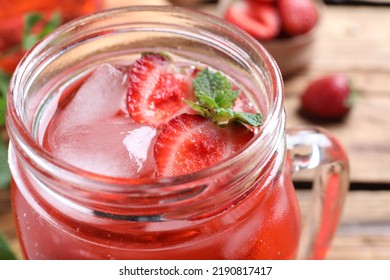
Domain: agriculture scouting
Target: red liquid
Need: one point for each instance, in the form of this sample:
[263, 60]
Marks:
[265, 224]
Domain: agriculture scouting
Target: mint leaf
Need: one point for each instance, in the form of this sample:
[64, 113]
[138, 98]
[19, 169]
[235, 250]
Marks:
[5, 251]
[216, 98]
[225, 116]
[207, 101]
[4, 170]
[216, 87]
[31, 20]
[204, 111]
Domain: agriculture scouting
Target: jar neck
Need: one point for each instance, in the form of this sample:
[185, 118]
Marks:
[78, 45]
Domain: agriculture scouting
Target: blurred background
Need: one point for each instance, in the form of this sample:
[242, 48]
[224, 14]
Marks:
[342, 37]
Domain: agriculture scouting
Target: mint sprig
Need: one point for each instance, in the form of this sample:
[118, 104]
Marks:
[216, 98]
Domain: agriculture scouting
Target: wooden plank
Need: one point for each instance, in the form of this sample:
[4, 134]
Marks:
[353, 38]
[364, 231]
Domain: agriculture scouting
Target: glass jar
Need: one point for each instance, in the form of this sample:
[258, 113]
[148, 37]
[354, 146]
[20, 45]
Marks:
[243, 208]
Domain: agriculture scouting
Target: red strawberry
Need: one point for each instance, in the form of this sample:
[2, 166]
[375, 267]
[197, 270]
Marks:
[189, 143]
[156, 90]
[328, 97]
[298, 16]
[261, 20]
[11, 32]
[8, 62]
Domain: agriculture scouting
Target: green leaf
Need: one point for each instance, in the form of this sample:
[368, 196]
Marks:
[31, 20]
[248, 118]
[4, 170]
[216, 98]
[225, 116]
[3, 107]
[216, 87]
[51, 25]
[4, 82]
[207, 101]
[29, 38]
[200, 109]
[5, 250]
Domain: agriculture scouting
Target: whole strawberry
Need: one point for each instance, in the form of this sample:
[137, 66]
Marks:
[297, 16]
[327, 98]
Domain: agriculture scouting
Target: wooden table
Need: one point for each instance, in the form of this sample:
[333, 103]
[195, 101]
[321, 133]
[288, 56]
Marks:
[353, 40]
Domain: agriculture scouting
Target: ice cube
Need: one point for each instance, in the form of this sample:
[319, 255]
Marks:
[100, 97]
[117, 147]
[137, 143]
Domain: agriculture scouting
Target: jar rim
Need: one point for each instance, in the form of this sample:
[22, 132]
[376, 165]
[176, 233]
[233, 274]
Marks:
[49, 165]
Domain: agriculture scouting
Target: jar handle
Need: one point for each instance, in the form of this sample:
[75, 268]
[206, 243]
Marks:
[312, 147]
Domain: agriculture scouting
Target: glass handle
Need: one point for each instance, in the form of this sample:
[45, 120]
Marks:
[312, 147]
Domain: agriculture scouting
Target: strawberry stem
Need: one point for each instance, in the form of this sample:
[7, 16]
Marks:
[354, 94]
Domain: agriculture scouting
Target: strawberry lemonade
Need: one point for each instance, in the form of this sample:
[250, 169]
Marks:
[153, 139]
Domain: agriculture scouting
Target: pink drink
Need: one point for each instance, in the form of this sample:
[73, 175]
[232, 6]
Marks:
[98, 135]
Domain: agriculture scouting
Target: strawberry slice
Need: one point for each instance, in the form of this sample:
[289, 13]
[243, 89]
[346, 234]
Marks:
[261, 20]
[157, 89]
[188, 143]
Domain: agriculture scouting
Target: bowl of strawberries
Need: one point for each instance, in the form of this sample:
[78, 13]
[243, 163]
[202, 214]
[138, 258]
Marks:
[286, 28]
